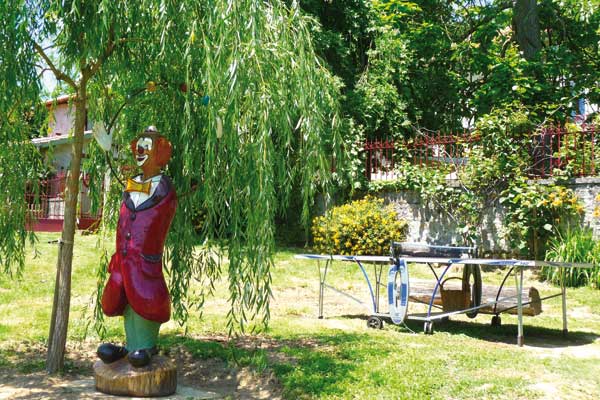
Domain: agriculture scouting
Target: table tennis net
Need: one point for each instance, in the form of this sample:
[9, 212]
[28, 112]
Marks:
[399, 249]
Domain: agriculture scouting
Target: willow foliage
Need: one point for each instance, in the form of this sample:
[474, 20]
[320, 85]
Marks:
[248, 107]
[19, 162]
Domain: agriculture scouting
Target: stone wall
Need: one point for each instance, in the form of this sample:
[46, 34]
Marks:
[429, 224]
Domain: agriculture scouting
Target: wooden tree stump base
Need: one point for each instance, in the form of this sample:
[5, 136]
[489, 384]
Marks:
[159, 378]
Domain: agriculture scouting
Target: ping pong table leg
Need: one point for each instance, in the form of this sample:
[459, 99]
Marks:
[322, 277]
[519, 282]
[366, 276]
[378, 270]
[563, 291]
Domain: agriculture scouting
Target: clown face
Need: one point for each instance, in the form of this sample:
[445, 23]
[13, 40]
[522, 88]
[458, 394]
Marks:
[151, 152]
[143, 150]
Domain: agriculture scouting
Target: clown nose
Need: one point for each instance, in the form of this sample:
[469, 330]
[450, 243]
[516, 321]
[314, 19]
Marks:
[140, 150]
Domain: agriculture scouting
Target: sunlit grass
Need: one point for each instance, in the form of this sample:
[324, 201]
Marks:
[337, 357]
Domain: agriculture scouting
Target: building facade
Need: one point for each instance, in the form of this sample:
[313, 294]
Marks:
[48, 210]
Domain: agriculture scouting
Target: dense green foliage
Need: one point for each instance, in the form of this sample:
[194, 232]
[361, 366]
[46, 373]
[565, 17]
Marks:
[427, 64]
[433, 65]
[536, 213]
[574, 245]
[235, 86]
[361, 227]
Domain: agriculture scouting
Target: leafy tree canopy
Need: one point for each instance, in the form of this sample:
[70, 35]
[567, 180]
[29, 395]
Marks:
[432, 64]
[234, 85]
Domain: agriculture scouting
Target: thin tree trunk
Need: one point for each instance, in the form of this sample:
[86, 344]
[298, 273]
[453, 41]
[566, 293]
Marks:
[62, 291]
[55, 301]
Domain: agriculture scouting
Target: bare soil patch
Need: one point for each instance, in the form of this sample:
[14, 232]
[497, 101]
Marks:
[212, 375]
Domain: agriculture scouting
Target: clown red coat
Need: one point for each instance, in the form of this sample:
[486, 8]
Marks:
[136, 276]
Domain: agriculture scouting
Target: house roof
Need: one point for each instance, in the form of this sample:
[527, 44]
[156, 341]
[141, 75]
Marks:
[62, 99]
[56, 140]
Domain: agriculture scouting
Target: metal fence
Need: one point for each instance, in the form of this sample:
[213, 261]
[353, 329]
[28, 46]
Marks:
[441, 149]
[557, 148]
[46, 204]
[552, 150]
[379, 160]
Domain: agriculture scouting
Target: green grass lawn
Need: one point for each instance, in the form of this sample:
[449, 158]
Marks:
[336, 357]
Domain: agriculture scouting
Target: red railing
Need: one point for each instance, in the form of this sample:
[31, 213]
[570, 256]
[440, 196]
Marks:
[437, 149]
[551, 149]
[558, 149]
[47, 205]
[379, 160]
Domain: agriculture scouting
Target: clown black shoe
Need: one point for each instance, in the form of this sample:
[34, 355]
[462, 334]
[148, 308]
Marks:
[110, 353]
[141, 358]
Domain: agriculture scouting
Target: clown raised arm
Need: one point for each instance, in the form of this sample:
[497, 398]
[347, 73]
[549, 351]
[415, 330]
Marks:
[136, 287]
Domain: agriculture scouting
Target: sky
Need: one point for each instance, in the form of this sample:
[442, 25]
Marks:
[48, 82]
[47, 79]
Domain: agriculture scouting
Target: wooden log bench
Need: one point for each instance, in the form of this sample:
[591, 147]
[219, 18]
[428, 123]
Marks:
[421, 290]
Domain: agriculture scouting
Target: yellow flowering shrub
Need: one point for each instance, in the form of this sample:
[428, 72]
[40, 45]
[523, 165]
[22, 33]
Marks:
[597, 208]
[361, 227]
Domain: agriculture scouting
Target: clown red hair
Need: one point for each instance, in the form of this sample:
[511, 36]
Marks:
[164, 151]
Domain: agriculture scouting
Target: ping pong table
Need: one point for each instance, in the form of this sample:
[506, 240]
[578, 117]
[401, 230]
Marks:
[398, 282]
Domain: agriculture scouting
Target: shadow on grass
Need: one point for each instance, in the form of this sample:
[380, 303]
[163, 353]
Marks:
[326, 369]
[535, 336]
[304, 367]
[30, 357]
[314, 366]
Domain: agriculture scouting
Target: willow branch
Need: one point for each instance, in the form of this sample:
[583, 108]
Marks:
[42, 72]
[61, 76]
[110, 47]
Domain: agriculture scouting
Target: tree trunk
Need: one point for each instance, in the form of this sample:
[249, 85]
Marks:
[526, 25]
[62, 291]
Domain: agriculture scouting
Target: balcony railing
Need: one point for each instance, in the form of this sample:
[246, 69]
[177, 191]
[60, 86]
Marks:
[46, 205]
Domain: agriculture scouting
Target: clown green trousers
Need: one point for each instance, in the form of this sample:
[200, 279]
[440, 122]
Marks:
[140, 333]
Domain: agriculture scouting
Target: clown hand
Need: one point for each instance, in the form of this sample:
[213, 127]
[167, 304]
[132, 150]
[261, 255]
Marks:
[103, 138]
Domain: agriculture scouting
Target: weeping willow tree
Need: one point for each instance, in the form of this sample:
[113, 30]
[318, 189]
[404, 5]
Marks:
[234, 85]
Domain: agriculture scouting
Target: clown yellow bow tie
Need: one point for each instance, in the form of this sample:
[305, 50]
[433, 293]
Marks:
[133, 186]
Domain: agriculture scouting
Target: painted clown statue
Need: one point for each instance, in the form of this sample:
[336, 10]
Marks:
[136, 287]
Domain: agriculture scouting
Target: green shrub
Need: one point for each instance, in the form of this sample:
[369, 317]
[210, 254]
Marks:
[576, 245]
[536, 213]
[361, 227]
